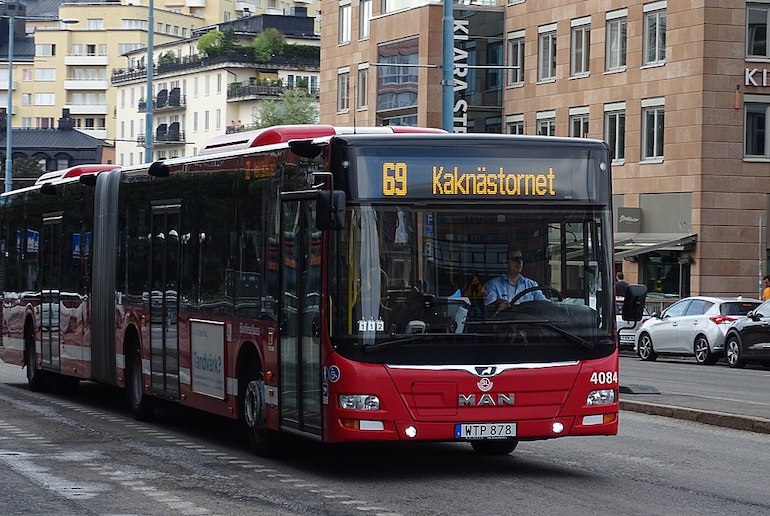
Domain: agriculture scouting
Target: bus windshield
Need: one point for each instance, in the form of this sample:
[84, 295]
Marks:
[406, 281]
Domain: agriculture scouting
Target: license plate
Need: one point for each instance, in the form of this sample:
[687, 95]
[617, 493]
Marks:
[626, 338]
[485, 430]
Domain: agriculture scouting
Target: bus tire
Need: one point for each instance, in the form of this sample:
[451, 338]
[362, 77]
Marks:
[495, 447]
[262, 440]
[35, 377]
[140, 404]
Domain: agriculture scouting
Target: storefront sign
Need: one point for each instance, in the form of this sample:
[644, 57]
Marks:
[629, 220]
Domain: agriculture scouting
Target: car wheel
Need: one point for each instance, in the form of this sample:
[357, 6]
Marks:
[733, 352]
[495, 447]
[645, 349]
[702, 351]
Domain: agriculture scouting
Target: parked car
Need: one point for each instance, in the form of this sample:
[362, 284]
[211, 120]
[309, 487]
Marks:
[748, 339]
[694, 326]
[627, 329]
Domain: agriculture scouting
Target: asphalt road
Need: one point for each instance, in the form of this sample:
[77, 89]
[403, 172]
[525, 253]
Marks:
[82, 454]
[680, 388]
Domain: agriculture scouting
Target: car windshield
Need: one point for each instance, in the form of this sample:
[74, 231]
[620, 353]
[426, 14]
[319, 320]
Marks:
[406, 279]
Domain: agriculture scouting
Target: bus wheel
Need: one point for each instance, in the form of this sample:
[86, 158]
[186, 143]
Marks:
[263, 441]
[139, 403]
[35, 376]
[495, 447]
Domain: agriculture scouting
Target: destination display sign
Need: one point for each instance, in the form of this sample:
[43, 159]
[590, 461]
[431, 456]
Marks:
[478, 173]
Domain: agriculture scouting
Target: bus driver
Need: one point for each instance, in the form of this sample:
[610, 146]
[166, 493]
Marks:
[502, 289]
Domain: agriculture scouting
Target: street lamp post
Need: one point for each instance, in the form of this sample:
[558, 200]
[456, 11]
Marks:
[9, 110]
[149, 136]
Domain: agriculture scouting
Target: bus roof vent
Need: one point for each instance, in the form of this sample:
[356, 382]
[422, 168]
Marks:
[286, 133]
[76, 171]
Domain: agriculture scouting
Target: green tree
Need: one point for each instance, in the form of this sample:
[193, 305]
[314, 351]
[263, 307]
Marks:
[27, 167]
[211, 43]
[267, 44]
[294, 107]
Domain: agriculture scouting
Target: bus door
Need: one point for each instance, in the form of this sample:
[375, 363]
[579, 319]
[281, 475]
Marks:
[300, 342]
[50, 280]
[164, 304]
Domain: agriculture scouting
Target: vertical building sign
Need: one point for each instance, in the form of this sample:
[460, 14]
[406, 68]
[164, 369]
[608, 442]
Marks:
[460, 118]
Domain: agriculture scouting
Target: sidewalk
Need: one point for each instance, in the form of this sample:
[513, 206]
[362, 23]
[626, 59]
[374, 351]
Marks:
[752, 417]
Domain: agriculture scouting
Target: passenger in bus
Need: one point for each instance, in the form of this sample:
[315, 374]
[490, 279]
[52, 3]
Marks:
[501, 289]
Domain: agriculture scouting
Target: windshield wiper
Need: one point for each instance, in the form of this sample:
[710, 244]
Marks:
[586, 344]
[406, 340]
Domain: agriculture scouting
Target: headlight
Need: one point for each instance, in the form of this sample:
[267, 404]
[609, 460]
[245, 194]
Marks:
[603, 397]
[359, 401]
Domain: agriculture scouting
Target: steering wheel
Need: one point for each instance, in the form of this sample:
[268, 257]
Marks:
[544, 288]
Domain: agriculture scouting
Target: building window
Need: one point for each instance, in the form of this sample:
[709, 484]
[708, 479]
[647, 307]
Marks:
[655, 33]
[516, 58]
[95, 24]
[45, 74]
[546, 68]
[514, 124]
[363, 88]
[546, 123]
[757, 21]
[45, 50]
[343, 35]
[343, 89]
[45, 99]
[581, 45]
[578, 123]
[615, 130]
[364, 18]
[653, 124]
[758, 129]
[615, 53]
[397, 82]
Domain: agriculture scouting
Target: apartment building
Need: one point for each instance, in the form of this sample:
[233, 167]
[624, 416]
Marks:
[68, 64]
[680, 90]
[197, 97]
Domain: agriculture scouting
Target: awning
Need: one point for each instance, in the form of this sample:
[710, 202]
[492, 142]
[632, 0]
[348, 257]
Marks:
[634, 244]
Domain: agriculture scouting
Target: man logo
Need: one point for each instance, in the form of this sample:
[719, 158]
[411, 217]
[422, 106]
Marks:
[485, 400]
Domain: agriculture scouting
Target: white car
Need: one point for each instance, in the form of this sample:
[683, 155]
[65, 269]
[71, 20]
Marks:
[693, 326]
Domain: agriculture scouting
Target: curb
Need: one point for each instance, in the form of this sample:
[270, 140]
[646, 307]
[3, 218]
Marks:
[748, 423]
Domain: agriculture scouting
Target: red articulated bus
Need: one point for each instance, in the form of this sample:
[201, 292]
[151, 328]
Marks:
[331, 283]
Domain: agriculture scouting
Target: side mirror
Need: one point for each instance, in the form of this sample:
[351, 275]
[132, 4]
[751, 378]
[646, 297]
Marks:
[656, 315]
[633, 302]
[330, 210]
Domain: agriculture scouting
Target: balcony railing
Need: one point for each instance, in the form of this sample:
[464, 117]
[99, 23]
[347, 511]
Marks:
[192, 62]
[169, 105]
[167, 137]
[239, 90]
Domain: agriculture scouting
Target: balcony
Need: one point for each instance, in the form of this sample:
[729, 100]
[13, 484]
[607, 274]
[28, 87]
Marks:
[88, 109]
[87, 84]
[166, 101]
[191, 63]
[92, 60]
[238, 91]
[164, 135]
